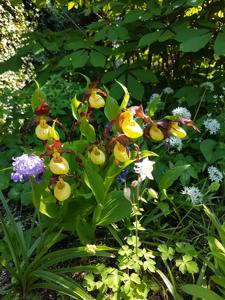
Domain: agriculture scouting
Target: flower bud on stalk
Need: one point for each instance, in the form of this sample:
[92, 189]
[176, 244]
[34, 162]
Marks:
[96, 101]
[62, 190]
[97, 156]
[120, 152]
[58, 164]
[155, 133]
[42, 130]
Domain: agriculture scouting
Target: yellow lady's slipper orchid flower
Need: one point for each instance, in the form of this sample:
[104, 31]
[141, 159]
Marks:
[96, 101]
[130, 127]
[177, 131]
[58, 164]
[155, 133]
[97, 156]
[62, 190]
[42, 130]
[120, 152]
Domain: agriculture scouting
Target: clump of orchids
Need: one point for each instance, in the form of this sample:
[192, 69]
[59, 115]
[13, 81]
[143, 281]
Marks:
[120, 135]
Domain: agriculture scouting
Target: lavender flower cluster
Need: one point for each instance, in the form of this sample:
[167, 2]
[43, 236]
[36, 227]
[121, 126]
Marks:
[25, 166]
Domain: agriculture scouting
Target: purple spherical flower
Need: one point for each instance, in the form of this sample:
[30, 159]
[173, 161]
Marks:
[27, 165]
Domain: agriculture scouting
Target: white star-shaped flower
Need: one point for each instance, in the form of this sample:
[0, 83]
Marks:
[144, 168]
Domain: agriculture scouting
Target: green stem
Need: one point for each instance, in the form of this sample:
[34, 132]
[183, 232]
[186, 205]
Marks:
[136, 219]
[197, 110]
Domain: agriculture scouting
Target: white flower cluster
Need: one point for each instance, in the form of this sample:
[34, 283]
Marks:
[168, 91]
[194, 194]
[181, 111]
[214, 174]
[208, 85]
[212, 126]
[174, 142]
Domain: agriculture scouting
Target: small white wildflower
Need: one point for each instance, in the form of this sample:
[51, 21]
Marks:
[168, 91]
[215, 97]
[215, 174]
[194, 194]
[181, 111]
[91, 248]
[174, 142]
[208, 85]
[144, 168]
[212, 125]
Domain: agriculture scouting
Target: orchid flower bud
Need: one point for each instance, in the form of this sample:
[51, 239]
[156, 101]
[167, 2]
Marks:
[42, 130]
[96, 101]
[58, 164]
[97, 156]
[62, 190]
[155, 133]
[120, 152]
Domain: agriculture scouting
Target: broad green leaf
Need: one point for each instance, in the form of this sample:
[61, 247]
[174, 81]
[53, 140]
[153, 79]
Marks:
[116, 207]
[95, 182]
[136, 88]
[145, 76]
[149, 38]
[59, 256]
[111, 109]
[200, 292]
[97, 59]
[5, 179]
[76, 59]
[219, 43]
[62, 284]
[212, 150]
[166, 35]
[75, 45]
[132, 16]
[87, 130]
[195, 43]
[85, 230]
[78, 146]
[43, 200]
[219, 280]
[172, 175]
[191, 94]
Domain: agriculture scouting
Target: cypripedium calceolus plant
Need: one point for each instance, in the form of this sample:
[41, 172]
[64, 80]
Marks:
[79, 172]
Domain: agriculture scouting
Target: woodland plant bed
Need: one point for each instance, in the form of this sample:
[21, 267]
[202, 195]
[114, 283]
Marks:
[112, 150]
